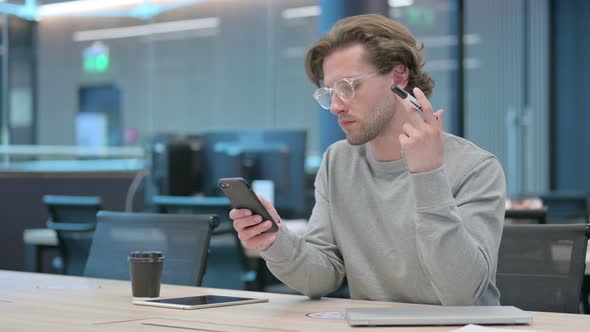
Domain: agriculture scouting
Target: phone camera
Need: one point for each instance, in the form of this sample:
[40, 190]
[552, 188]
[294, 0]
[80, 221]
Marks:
[224, 185]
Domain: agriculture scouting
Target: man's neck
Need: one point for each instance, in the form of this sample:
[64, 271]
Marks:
[386, 148]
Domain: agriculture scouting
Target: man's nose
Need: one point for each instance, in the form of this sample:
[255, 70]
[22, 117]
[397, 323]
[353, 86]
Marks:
[337, 106]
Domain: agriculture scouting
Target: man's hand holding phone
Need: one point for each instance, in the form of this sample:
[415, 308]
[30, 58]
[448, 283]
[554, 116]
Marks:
[251, 227]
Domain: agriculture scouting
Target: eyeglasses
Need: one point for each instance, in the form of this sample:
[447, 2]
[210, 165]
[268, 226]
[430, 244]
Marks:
[344, 88]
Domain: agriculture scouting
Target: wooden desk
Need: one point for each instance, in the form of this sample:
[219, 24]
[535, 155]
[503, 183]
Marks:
[44, 302]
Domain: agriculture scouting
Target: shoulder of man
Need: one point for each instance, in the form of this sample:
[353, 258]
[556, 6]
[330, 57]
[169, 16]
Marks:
[462, 156]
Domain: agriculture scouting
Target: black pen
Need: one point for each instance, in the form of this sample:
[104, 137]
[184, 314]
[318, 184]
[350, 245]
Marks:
[406, 96]
[409, 98]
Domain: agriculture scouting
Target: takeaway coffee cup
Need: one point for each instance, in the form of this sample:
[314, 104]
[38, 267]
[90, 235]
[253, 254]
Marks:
[145, 268]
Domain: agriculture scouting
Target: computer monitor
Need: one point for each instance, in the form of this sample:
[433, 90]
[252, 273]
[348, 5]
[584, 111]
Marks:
[264, 154]
[175, 165]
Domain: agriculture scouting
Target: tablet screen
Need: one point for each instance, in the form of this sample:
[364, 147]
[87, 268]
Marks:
[201, 300]
[198, 302]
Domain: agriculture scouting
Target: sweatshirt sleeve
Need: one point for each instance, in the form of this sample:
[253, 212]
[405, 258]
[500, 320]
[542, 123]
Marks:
[309, 263]
[458, 234]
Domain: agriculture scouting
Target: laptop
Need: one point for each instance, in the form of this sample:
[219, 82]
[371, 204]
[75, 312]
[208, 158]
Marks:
[437, 315]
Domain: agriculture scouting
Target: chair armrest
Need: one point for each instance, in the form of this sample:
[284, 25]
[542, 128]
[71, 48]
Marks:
[70, 227]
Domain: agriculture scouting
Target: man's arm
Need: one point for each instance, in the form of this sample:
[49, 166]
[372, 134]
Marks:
[310, 263]
[458, 237]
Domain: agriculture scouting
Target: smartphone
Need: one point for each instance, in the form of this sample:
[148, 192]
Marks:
[242, 196]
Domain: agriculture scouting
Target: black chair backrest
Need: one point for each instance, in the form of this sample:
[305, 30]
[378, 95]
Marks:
[74, 219]
[541, 267]
[187, 204]
[534, 216]
[183, 239]
[226, 251]
[566, 207]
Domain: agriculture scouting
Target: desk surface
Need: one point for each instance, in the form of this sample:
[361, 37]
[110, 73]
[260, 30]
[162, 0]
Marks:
[44, 302]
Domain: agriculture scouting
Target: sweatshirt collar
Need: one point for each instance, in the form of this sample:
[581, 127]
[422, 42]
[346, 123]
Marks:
[386, 167]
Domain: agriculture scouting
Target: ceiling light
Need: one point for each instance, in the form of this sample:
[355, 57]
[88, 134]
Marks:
[300, 12]
[82, 6]
[400, 3]
[147, 29]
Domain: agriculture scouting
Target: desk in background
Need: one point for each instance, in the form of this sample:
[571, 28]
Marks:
[22, 205]
[34, 301]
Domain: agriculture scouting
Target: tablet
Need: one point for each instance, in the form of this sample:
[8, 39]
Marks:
[199, 302]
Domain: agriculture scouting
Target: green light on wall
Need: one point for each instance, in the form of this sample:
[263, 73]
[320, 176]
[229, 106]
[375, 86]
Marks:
[96, 58]
[102, 63]
[89, 65]
[96, 64]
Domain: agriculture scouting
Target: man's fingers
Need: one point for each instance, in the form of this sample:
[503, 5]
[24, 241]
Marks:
[252, 231]
[439, 116]
[240, 224]
[239, 213]
[403, 139]
[261, 241]
[409, 130]
[265, 240]
[251, 227]
[429, 116]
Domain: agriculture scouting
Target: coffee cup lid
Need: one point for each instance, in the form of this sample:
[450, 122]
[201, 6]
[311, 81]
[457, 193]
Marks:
[146, 255]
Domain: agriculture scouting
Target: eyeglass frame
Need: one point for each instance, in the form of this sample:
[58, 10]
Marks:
[349, 80]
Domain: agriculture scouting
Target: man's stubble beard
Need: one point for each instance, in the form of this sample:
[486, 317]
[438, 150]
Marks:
[378, 120]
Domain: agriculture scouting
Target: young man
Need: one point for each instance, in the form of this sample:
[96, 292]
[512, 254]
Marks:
[405, 211]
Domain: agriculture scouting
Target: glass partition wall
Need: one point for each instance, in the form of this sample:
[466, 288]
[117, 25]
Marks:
[121, 75]
[211, 65]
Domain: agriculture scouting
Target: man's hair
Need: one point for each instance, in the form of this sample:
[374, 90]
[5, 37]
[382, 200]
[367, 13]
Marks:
[387, 44]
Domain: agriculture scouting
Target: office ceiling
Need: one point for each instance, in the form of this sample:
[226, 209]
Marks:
[40, 9]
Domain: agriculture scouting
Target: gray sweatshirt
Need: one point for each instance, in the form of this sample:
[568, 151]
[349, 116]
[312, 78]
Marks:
[428, 237]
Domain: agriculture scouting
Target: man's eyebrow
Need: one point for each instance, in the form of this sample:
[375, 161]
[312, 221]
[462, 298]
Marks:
[338, 79]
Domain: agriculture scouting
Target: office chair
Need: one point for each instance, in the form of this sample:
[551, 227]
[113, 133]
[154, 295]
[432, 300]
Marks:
[565, 207]
[541, 267]
[219, 206]
[183, 239]
[73, 218]
[228, 264]
[517, 216]
[569, 207]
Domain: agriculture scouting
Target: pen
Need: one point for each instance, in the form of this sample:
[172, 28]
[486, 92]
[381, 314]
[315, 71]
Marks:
[409, 98]
[406, 96]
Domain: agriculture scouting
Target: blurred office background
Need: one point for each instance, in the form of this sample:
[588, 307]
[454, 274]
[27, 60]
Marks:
[118, 97]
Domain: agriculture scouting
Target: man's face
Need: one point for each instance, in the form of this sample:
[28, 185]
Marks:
[370, 112]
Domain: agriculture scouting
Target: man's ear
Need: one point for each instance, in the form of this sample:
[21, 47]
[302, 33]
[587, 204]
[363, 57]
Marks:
[400, 76]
